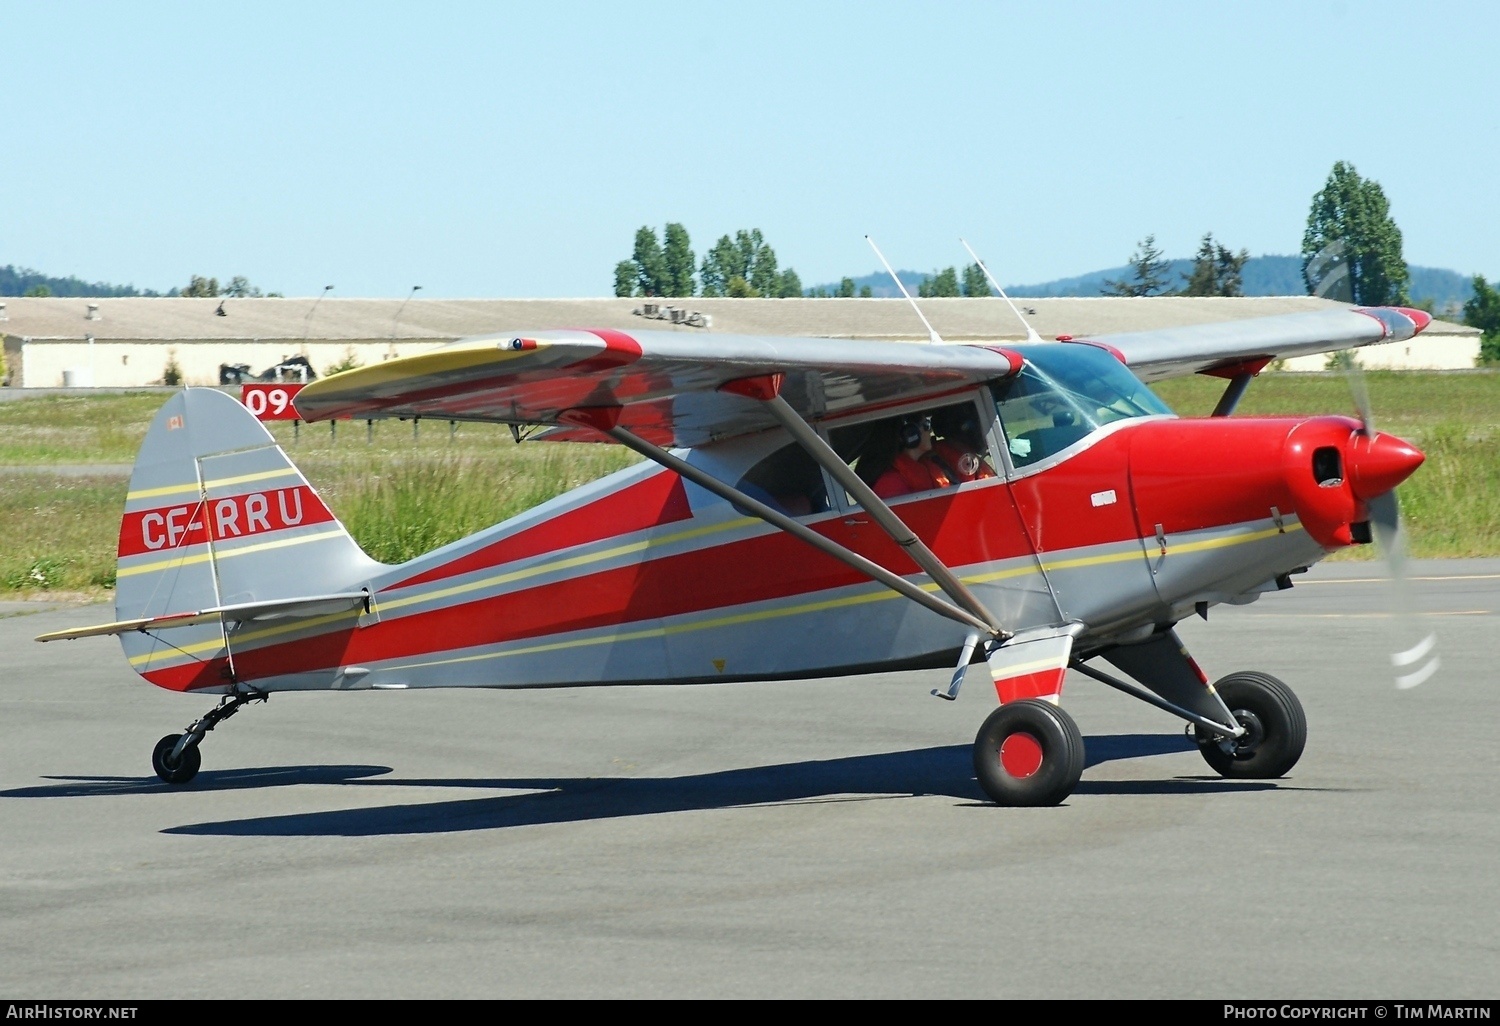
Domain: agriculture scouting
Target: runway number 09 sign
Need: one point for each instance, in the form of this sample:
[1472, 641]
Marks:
[270, 402]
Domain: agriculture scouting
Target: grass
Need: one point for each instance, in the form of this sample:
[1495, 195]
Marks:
[67, 429]
[68, 529]
[403, 491]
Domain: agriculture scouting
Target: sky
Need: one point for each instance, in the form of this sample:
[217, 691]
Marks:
[513, 149]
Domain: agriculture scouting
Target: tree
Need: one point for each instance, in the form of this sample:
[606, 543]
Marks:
[846, 289]
[200, 287]
[975, 283]
[744, 265]
[678, 259]
[650, 263]
[239, 287]
[37, 292]
[738, 288]
[747, 246]
[721, 264]
[626, 276]
[939, 283]
[763, 274]
[1216, 271]
[1483, 312]
[1148, 272]
[1354, 212]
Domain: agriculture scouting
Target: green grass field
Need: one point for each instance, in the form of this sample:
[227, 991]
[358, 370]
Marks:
[402, 491]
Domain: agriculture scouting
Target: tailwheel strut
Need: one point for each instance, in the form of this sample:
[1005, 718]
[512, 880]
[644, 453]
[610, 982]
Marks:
[176, 757]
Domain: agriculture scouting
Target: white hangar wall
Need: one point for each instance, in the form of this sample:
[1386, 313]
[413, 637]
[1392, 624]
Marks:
[48, 363]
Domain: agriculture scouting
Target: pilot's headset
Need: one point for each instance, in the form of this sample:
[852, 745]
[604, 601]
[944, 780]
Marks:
[911, 430]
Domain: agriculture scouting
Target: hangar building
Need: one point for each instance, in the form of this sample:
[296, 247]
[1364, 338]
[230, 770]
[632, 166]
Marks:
[130, 342]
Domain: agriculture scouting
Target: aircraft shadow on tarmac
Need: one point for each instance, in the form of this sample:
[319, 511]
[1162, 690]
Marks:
[927, 771]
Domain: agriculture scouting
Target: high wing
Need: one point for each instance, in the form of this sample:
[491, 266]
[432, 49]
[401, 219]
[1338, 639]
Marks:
[1232, 345]
[666, 385]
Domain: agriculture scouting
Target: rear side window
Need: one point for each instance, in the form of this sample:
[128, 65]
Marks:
[789, 481]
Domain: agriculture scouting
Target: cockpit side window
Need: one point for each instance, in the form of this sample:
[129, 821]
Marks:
[917, 452]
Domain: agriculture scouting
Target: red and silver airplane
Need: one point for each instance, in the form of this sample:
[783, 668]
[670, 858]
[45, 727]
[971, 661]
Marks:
[762, 537]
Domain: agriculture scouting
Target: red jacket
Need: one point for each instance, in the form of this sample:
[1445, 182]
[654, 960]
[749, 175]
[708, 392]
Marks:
[908, 475]
[958, 462]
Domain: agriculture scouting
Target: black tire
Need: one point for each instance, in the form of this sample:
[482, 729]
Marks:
[181, 771]
[1276, 728]
[1043, 760]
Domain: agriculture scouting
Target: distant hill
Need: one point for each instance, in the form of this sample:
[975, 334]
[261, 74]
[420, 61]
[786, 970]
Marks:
[17, 281]
[1264, 276]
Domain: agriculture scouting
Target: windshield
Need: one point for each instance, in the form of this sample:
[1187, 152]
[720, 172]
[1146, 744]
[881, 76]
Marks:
[1064, 393]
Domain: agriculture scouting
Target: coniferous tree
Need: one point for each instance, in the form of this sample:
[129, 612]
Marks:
[627, 274]
[941, 283]
[650, 263]
[975, 283]
[678, 258]
[763, 273]
[1216, 271]
[1354, 212]
[1148, 272]
[200, 287]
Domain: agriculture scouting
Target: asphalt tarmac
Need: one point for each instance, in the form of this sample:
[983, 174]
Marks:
[820, 839]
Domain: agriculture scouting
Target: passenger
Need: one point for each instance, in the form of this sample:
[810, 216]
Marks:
[960, 450]
[909, 471]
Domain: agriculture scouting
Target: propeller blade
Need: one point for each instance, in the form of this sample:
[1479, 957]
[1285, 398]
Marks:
[1355, 375]
[1415, 658]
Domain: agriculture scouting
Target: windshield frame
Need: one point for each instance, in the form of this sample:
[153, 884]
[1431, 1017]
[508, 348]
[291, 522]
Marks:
[1064, 394]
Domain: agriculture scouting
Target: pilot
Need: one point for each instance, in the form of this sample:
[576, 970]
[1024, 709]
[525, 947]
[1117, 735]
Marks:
[909, 470]
[960, 450]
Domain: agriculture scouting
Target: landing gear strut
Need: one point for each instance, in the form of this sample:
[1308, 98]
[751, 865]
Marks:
[176, 757]
[1275, 728]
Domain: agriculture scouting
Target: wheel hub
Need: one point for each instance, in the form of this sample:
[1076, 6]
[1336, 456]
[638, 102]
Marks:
[1021, 754]
[1244, 746]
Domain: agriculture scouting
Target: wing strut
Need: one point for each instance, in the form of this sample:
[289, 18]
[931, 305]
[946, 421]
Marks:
[889, 522]
[603, 419]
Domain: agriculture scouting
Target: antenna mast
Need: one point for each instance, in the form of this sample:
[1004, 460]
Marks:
[932, 336]
[1031, 335]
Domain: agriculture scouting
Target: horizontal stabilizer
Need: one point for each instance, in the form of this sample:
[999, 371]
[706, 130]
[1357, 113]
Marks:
[242, 612]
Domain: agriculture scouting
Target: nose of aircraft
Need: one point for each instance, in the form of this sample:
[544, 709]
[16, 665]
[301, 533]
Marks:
[1379, 462]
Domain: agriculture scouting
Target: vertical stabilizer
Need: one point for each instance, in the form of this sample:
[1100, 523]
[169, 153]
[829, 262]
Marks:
[218, 515]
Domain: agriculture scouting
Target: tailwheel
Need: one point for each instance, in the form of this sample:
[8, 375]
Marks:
[179, 768]
[176, 757]
[1275, 728]
[1028, 752]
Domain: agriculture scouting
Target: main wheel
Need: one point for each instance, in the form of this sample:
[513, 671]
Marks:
[178, 771]
[1028, 753]
[1275, 728]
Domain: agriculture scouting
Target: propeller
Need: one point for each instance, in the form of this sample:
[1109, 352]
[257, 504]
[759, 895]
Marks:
[1415, 657]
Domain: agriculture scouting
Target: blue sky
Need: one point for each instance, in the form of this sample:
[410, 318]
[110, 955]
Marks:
[513, 149]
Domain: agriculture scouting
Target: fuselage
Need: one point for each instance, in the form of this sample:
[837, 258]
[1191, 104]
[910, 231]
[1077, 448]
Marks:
[1122, 523]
